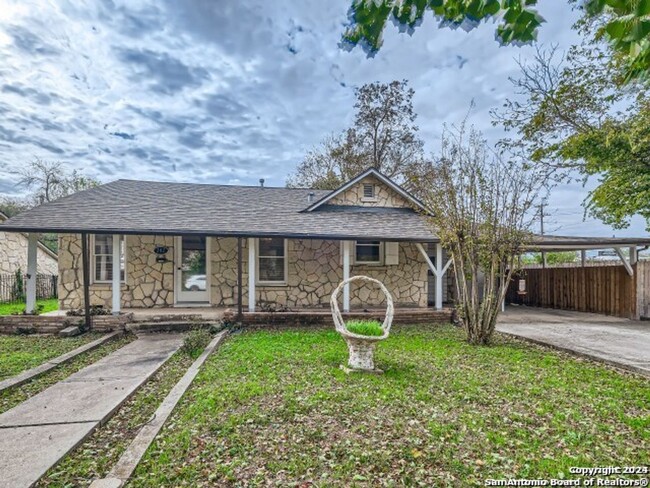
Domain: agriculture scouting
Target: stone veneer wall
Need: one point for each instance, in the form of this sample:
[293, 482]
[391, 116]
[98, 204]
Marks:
[314, 270]
[13, 255]
[148, 283]
[384, 196]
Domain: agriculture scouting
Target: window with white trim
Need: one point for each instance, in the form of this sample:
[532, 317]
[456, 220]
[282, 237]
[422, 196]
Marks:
[102, 247]
[272, 260]
[368, 252]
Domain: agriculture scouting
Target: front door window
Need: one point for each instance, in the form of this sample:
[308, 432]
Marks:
[192, 269]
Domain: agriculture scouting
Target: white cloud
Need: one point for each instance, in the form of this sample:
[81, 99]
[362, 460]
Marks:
[228, 92]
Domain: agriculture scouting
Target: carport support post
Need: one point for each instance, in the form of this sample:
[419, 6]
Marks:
[117, 278]
[346, 275]
[86, 278]
[633, 255]
[251, 274]
[439, 276]
[32, 253]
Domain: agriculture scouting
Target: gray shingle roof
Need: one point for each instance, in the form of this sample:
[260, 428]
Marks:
[128, 206]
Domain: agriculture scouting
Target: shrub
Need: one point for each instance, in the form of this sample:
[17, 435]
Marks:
[365, 327]
[195, 341]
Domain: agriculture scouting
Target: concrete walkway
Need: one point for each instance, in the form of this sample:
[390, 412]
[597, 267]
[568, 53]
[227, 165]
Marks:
[32, 373]
[36, 434]
[620, 342]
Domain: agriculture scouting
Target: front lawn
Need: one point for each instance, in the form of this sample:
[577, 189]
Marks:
[18, 353]
[44, 306]
[273, 408]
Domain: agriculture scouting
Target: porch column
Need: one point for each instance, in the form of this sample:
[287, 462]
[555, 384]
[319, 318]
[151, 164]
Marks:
[32, 253]
[439, 276]
[85, 263]
[583, 258]
[252, 259]
[117, 282]
[346, 275]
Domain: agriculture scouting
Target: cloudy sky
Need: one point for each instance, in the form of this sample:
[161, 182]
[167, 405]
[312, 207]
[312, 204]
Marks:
[232, 91]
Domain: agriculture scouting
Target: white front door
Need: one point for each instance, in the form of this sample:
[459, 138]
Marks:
[192, 277]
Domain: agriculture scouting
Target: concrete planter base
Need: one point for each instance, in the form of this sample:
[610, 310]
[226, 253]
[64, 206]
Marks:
[361, 353]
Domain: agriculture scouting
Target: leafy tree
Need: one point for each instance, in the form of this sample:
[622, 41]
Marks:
[13, 206]
[577, 116]
[559, 257]
[625, 23]
[383, 136]
[481, 206]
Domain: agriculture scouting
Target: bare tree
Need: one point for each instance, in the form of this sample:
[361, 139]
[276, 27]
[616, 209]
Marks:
[49, 180]
[383, 136]
[481, 208]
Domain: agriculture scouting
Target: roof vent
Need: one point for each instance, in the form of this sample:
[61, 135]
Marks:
[262, 182]
[310, 197]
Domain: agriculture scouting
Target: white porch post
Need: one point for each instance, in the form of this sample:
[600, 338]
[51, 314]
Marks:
[439, 276]
[346, 275]
[32, 253]
[252, 260]
[117, 282]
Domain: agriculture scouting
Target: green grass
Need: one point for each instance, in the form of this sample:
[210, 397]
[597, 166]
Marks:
[44, 306]
[365, 327]
[96, 455]
[19, 353]
[11, 397]
[274, 409]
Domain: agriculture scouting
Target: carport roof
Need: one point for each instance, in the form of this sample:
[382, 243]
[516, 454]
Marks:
[570, 243]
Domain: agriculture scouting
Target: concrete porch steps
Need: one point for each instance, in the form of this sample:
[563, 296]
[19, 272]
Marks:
[176, 325]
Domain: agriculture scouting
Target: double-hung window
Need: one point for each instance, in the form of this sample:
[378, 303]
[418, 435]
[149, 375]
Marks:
[103, 258]
[272, 260]
[368, 252]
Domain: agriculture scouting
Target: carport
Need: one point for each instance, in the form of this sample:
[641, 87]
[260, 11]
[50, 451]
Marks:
[621, 290]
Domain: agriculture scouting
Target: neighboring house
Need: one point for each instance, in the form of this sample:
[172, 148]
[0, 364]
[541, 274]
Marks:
[178, 243]
[13, 254]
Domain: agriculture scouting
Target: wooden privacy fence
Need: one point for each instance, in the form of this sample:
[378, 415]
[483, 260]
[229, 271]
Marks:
[608, 290]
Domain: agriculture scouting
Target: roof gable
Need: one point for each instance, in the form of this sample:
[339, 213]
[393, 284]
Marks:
[351, 193]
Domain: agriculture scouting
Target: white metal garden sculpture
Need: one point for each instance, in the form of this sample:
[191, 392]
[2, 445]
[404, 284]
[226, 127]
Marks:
[361, 347]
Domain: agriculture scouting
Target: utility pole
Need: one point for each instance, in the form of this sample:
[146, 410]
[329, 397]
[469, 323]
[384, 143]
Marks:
[541, 223]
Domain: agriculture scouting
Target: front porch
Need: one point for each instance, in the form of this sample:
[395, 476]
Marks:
[198, 274]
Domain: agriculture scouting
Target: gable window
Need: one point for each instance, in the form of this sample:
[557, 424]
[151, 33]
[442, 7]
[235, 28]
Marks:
[102, 247]
[272, 260]
[368, 191]
[368, 252]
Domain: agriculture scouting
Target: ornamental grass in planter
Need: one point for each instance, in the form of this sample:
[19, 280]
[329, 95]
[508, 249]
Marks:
[362, 336]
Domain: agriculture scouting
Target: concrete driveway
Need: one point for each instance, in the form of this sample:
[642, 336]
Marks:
[620, 342]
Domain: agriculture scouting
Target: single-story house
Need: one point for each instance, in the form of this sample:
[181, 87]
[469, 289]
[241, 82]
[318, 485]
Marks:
[144, 244]
[178, 244]
[13, 253]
